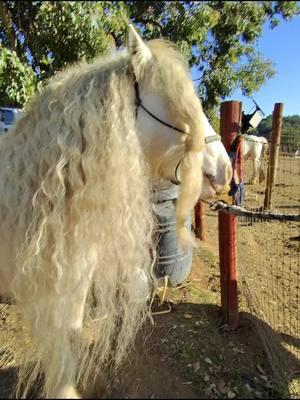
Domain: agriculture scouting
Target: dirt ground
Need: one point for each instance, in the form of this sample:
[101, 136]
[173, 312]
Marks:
[189, 352]
[274, 277]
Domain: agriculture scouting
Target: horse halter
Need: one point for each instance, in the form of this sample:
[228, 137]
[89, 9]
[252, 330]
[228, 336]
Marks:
[138, 103]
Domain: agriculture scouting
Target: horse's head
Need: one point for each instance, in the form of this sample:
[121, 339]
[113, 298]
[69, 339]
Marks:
[173, 127]
[216, 168]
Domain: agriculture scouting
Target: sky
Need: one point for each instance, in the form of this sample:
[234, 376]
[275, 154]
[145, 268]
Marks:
[282, 46]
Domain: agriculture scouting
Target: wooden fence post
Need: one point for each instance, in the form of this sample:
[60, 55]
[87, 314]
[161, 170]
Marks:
[199, 220]
[273, 154]
[229, 126]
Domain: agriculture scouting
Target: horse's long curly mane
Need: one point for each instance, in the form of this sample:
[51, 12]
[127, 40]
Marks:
[75, 193]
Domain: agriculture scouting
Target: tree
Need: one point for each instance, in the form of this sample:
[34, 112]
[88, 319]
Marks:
[217, 37]
[18, 90]
[290, 134]
[42, 37]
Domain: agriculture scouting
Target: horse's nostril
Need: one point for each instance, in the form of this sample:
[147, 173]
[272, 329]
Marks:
[224, 197]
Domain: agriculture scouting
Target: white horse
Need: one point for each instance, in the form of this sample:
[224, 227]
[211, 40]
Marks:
[77, 228]
[255, 148]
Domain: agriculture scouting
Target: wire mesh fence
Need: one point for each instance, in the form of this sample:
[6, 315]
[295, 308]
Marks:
[268, 260]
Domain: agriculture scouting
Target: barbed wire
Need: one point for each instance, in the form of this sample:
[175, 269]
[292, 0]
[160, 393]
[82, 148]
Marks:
[242, 212]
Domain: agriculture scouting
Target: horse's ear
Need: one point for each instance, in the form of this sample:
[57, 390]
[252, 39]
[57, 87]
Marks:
[136, 47]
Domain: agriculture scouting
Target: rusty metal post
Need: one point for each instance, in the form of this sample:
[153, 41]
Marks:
[199, 220]
[229, 126]
[274, 153]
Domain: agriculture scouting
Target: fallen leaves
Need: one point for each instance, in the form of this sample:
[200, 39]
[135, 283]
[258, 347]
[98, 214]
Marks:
[231, 395]
[196, 366]
[208, 361]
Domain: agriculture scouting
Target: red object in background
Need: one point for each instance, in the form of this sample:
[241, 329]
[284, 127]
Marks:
[229, 127]
[199, 220]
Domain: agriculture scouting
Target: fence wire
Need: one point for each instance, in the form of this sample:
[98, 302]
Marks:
[257, 215]
[268, 262]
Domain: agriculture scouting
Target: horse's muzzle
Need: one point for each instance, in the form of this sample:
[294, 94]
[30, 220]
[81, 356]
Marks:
[219, 189]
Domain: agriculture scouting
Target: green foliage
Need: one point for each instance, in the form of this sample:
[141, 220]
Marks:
[72, 30]
[42, 37]
[217, 37]
[24, 83]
